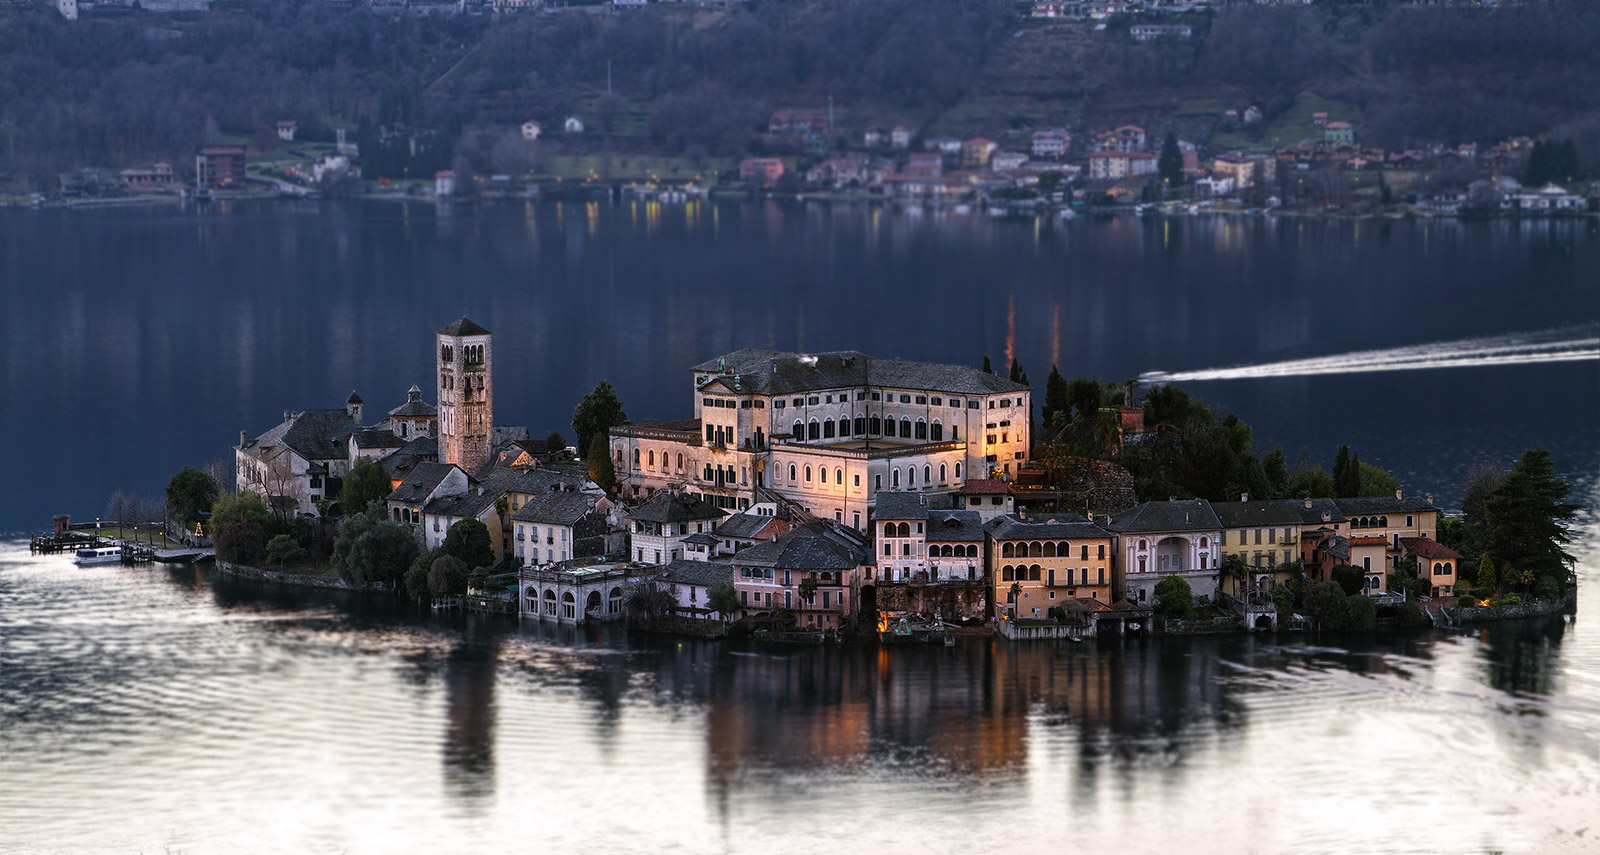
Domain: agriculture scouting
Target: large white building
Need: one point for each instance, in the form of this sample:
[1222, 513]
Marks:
[827, 431]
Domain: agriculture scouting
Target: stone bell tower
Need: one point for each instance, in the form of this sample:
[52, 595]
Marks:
[466, 395]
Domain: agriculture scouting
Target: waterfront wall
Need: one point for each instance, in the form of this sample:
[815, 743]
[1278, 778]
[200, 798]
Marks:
[1010, 631]
[304, 580]
[1214, 626]
[1527, 609]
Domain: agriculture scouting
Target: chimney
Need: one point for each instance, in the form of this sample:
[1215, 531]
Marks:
[1399, 493]
[241, 439]
[1244, 497]
[1090, 515]
[1430, 498]
[288, 415]
[1308, 503]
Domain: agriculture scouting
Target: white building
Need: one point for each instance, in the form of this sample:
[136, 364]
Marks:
[573, 124]
[660, 525]
[549, 527]
[1549, 199]
[1156, 540]
[299, 464]
[576, 592]
[691, 582]
[530, 130]
[990, 498]
[827, 431]
[900, 534]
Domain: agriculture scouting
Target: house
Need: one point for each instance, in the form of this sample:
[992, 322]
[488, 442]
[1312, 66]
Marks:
[1126, 139]
[841, 172]
[1408, 159]
[989, 497]
[1436, 564]
[1214, 185]
[573, 125]
[746, 529]
[1319, 119]
[1245, 170]
[1006, 161]
[943, 145]
[444, 183]
[1152, 32]
[976, 151]
[795, 123]
[286, 130]
[1054, 142]
[219, 167]
[1265, 536]
[576, 592]
[760, 170]
[768, 576]
[690, 583]
[660, 525]
[1039, 562]
[955, 546]
[299, 465]
[424, 483]
[1253, 115]
[531, 130]
[158, 177]
[1339, 133]
[874, 138]
[560, 525]
[1549, 199]
[900, 539]
[1160, 540]
[924, 165]
[1114, 165]
[900, 136]
[1377, 525]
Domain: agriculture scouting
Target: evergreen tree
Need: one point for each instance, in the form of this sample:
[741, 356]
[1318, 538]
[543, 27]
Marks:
[189, 492]
[1527, 522]
[1385, 195]
[601, 469]
[1055, 398]
[598, 412]
[367, 482]
[987, 368]
[1341, 467]
[1170, 164]
[1488, 582]
[468, 542]
[555, 442]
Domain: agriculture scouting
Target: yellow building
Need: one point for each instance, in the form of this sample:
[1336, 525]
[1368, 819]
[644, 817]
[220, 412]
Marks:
[1436, 564]
[1390, 518]
[1039, 563]
[1265, 534]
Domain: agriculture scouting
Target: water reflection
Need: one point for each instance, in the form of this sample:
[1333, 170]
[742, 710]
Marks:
[470, 673]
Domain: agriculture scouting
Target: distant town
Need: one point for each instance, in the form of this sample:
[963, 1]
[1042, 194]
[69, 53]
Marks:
[1225, 149]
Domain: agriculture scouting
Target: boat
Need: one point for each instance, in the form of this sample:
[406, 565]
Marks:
[98, 555]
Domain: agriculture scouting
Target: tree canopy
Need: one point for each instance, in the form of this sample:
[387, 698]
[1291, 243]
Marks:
[468, 542]
[189, 492]
[598, 412]
[371, 547]
[1174, 599]
[1525, 526]
[366, 483]
[240, 526]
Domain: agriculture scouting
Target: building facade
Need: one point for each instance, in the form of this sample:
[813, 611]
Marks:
[465, 357]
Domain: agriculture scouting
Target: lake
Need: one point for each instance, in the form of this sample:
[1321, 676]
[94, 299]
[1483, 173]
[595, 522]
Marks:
[173, 710]
[137, 340]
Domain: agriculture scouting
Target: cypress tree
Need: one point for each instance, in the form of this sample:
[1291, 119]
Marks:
[1341, 464]
[1487, 582]
[1352, 478]
[1055, 398]
[987, 368]
[1170, 164]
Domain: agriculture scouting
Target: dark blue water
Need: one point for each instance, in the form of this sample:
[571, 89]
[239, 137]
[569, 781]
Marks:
[134, 341]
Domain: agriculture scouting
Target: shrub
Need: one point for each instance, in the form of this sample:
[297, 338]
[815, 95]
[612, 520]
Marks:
[1362, 615]
[1174, 599]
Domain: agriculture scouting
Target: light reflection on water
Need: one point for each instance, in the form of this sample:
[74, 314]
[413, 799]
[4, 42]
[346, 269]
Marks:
[168, 710]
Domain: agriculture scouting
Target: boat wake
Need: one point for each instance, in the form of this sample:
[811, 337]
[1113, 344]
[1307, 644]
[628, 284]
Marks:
[1568, 344]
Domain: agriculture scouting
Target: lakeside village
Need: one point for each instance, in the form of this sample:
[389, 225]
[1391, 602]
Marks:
[815, 496]
[1050, 171]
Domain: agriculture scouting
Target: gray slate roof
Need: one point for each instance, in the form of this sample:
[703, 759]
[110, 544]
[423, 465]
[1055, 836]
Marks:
[810, 547]
[463, 327]
[700, 538]
[777, 372]
[402, 462]
[1259, 514]
[742, 526]
[1313, 514]
[314, 434]
[1056, 526]
[424, 479]
[378, 438]
[900, 505]
[471, 504]
[1184, 515]
[1367, 505]
[954, 527]
[561, 507]
[669, 507]
[703, 573]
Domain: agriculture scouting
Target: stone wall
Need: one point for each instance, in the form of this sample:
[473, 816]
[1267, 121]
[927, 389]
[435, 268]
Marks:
[1214, 626]
[1524, 609]
[301, 579]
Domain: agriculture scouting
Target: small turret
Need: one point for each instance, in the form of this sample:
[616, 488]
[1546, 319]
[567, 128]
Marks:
[352, 405]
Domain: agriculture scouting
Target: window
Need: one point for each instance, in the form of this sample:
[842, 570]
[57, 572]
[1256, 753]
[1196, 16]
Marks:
[813, 430]
[941, 473]
[905, 399]
[972, 405]
[861, 396]
[808, 474]
[652, 458]
[799, 402]
[844, 426]
[830, 399]
[822, 474]
[1005, 402]
[876, 396]
[791, 472]
[991, 405]
[938, 432]
[1102, 555]
[922, 399]
[894, 478]
[905, 428]
[812, 400]
[927, 474]
[838, 476]
[680, 462]
[875, 425]
[877, 482]
[636, 458]
[776, 405]
[922, 429]
[958, 470]
[827, 429]
[861, 424]
[911, 476]
[799, 430]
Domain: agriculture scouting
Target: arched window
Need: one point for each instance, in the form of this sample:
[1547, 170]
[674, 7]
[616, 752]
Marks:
[1036, 550]
[844, 426]
[1049, 549]
[827, 429]
[1033, 573]
[636, 458]
[1205, 542]
[894, 478]
[813, 430]
[911, 476]
[791, 472]
[875, 425]
[1064, 549]
[1006, 574]
[972, 550]
[808, 472]
[938, 432]
[652, 458]
[822, 474]
[619, 457]
[838, 476]
[941, 473]
[1007, 550]
[799, 430]
[922, 429]
[958, 470]
[905, 529]
[680, 462]
[905, 427]
[927, 474]
[861, 424]
[1142, 546]
[1383, 522]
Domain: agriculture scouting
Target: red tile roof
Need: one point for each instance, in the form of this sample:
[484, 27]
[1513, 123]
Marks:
[1430, 549]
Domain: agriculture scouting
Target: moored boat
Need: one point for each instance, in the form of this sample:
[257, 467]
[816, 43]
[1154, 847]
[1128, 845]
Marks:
[98, 555]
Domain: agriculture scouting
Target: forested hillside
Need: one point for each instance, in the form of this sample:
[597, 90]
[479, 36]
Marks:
[113, 91]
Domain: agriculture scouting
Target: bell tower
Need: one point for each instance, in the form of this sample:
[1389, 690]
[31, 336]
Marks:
[466, 394]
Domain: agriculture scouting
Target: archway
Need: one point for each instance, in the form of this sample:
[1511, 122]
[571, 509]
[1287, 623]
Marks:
[591, 606]
[1170, 554]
